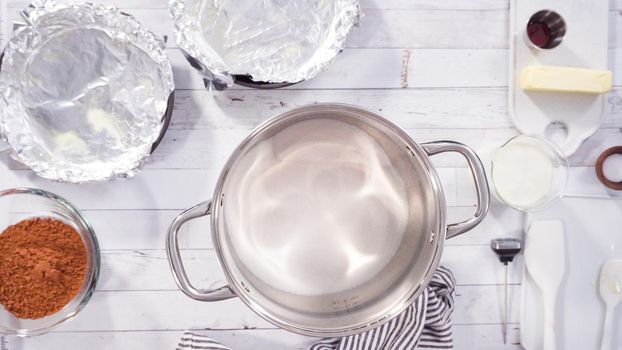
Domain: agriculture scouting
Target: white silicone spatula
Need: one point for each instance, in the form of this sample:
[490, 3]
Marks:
[611, 292]
[545, 260]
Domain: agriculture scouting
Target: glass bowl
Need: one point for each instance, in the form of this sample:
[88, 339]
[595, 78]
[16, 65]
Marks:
[18, 204]
[528, 173]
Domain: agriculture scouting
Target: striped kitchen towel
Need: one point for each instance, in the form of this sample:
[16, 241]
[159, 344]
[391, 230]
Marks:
[426, 324]
[191, 340]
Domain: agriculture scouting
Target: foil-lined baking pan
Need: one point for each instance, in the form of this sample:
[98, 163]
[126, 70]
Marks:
[86, 92]
[261, 43]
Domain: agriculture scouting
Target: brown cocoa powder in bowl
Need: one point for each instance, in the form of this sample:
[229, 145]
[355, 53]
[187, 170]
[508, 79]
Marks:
[42, 266]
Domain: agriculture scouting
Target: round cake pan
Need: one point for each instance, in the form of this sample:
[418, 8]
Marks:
[261, 44]
[86, 92]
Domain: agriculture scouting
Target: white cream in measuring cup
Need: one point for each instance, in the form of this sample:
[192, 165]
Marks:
[528, 173]
[322, 191]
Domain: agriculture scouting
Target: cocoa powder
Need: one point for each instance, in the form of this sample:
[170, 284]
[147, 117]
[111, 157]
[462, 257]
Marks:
[42, 266]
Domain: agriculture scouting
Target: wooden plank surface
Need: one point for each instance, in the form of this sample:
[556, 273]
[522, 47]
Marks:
[365, 4]
[473, 337]
[436, 68]
[453, 29]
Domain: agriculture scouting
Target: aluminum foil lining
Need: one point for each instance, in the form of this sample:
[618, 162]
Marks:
[84, 89]
[272, 41]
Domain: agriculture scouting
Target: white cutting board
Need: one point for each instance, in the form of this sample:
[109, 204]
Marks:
[593, 233]
[585, 45]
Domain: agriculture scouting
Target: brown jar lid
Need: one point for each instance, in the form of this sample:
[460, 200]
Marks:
[599, 168]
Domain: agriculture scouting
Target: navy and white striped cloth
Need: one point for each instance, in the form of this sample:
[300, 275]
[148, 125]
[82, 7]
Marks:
[426, 324]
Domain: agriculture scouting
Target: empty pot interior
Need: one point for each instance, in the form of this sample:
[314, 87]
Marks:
[328, 220]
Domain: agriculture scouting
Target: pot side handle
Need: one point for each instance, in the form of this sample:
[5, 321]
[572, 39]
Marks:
[479, 176]
[177, 266]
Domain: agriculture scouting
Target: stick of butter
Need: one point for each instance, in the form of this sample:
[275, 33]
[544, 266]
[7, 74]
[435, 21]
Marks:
[565, 79]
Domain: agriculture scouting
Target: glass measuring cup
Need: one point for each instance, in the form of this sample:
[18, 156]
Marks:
[528, 173]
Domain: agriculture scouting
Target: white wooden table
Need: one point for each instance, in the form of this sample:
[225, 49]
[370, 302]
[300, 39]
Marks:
[438, 68]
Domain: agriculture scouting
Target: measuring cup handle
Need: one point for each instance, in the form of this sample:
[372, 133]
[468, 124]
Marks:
[177, 266]
[479, 176]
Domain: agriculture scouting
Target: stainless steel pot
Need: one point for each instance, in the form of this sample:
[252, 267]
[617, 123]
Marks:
[383, 295]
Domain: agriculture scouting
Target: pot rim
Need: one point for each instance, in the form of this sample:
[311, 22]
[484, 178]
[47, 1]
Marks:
[438, 237]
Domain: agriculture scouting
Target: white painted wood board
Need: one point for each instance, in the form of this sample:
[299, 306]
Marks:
[592, 234]
[584, 45]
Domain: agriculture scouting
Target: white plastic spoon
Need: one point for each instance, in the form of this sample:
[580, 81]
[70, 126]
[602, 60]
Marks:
[545, 258]
[611, 292]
